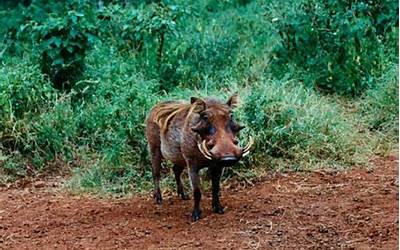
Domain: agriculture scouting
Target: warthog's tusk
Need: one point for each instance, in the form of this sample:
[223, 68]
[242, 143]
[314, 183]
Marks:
[204, 150]
[246, 149]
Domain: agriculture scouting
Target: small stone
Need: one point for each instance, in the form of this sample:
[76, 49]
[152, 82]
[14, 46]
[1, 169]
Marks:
[395, 182]
[39, 184]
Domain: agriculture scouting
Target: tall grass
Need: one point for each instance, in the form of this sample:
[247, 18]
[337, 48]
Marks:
[298, 128]
[379, 110]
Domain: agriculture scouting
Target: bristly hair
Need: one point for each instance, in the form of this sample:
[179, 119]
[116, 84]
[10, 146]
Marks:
[164, 112]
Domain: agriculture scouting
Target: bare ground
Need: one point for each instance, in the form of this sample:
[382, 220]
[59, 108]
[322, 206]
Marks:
[355, 209]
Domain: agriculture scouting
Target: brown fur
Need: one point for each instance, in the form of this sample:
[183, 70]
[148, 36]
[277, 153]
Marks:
[164, 112]
[174, 130]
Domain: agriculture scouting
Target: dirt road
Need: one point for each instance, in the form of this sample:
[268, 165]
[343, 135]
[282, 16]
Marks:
[356, 209]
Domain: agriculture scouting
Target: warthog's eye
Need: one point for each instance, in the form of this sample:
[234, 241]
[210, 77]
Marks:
[211, 130]
[203, 116]
[235, 127]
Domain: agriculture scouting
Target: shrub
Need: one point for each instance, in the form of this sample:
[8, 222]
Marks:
[204, 56]
[110, 118]
[24, 95]
[144, 31]
[379, 107]
[103, 119]
[13, 165]
[63, 40]
[24, 91]
[296, 125]
[338, 45]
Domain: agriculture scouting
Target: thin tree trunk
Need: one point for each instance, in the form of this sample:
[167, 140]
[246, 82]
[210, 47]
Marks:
[160, 49]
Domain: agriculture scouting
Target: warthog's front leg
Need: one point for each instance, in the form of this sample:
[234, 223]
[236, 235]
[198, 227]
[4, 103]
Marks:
[195, 181]
[215, 173]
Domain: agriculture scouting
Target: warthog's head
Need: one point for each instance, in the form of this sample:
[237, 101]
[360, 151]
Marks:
[218, 130]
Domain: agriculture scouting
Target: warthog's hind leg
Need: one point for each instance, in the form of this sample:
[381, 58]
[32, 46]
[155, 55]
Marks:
[181, 190]
[156, 167]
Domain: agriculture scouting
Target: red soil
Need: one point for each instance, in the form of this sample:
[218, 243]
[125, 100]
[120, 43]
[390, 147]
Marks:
[355, 209]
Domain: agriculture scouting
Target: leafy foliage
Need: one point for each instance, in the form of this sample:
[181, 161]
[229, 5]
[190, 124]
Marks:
[139, 28]
[63, 40]
[143, 31]
[339, 45]
[24, 94]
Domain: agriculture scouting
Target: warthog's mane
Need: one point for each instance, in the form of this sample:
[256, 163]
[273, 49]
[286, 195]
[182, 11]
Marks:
[164, 112]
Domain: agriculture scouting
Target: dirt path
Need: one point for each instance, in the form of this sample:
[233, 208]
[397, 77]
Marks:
[357, 209]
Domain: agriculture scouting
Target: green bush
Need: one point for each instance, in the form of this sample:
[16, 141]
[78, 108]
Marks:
[13, 165]
[338, 45]
[143, 30]
[111, 118]
[104, 118]
[12, 17]
[24, 91]
[296, 125]
[24, 95]
[137, 28]
[205, 55]
[380, 105]
[63, 41]
[231, 43]
[55, 134]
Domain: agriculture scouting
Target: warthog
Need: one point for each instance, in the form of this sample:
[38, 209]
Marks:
[198, 134]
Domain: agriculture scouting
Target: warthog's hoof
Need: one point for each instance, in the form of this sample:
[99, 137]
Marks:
[158, 198]
[196, 215]
[218, 209]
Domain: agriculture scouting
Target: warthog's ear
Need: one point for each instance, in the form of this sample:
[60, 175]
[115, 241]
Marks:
[233, 101]
[198, 103]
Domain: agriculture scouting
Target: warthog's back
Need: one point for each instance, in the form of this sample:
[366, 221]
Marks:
[168, 119]
[163, 113]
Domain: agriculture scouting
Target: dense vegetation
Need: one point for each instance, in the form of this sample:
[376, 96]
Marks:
[318, 82]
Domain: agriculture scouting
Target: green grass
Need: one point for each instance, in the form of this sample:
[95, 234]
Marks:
[299, 127]
[379, 106]
[101, 128]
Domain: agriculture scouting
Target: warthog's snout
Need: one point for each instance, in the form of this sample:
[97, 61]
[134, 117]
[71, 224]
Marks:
[225, 159]
[228, 160]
